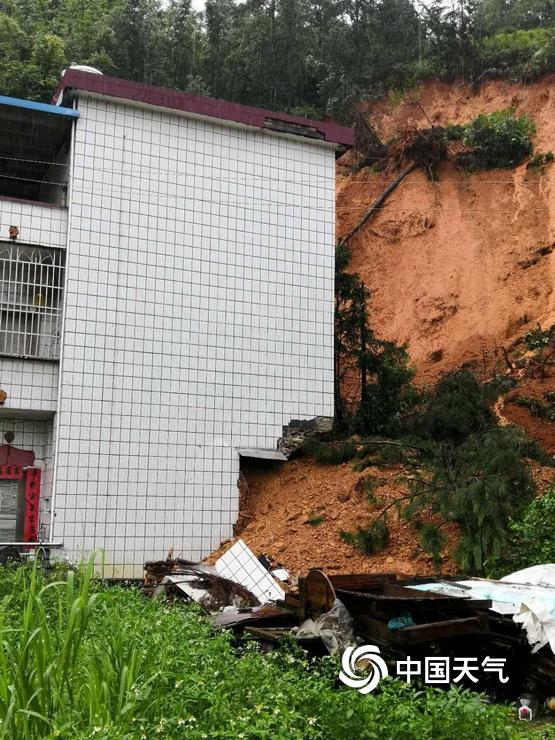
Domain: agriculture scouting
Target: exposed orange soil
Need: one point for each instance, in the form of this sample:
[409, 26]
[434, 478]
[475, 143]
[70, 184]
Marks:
[453, 265]
[541, 430]
[280, 504]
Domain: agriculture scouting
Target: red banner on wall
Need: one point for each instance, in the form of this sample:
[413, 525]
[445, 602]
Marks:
[32, 496]
[11, 472]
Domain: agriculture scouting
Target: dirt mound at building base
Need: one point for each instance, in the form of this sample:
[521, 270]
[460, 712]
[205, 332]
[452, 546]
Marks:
[295, 514]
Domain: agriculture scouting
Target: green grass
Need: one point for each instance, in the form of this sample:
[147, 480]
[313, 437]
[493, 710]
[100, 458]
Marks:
[82, 660]
[316, 519]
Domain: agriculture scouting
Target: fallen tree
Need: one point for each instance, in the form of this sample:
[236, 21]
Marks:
[378, 203]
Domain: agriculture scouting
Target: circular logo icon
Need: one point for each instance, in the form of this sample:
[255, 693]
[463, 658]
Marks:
[367, 656]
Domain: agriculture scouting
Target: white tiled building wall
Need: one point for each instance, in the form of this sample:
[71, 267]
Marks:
[198, 319]
[31, 384]
[38, 224]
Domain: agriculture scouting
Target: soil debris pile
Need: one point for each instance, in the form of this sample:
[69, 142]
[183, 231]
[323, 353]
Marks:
[296, 514]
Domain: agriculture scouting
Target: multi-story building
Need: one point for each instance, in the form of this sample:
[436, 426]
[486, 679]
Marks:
[166, 304]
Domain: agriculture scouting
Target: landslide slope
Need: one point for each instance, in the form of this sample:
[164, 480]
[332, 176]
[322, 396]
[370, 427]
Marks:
[465, 264]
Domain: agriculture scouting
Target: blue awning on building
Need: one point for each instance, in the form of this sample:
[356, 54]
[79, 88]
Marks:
[34, 149]
[55, 110]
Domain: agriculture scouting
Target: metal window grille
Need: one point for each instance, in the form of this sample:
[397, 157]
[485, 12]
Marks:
[31, 285]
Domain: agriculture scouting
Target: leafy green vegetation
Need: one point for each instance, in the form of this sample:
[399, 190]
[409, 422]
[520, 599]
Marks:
[539, 338]
[368, 486]
[83, 660]
[480, 485]
[380, 369]
[368, 540]
[524, 54]
[314, 58]
[454, 132]
[330, 453]
[433, 541]
[532, 537]
[316, 519]
[541, 409]
[499, 139]
[540, 161]
[463, 467]
[456, 408]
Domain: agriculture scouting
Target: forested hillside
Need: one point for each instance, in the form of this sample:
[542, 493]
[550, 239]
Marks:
[308, 56]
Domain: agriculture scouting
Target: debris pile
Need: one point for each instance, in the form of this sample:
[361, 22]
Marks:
[195, 582]
[298, 431]
[237, 579]
[508, 623]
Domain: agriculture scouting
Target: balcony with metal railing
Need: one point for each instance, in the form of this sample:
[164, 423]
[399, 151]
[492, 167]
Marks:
[31, 300]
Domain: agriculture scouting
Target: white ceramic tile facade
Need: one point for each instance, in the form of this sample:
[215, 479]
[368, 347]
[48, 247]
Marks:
[38, 224]
[31, 384]
[239, 564]
[198, 319]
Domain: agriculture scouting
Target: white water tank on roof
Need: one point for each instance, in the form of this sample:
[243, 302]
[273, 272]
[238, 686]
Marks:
[85, 68]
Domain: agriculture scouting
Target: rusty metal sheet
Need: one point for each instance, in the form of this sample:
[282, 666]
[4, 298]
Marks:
[256, 616]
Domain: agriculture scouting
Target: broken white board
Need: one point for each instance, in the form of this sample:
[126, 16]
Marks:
[281, 574]
[239, 564]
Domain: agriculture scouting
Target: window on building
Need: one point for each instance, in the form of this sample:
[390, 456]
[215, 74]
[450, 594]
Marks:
[31, 284]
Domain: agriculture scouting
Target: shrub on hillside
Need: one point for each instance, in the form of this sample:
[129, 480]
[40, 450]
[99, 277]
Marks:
[368, 540]
[532, 537]
[539, 161]
[499, 139]
[330, 453]
[457, 407]
[539, 338]
[464, 468]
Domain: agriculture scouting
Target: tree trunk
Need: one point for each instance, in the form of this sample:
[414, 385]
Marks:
[378, 203]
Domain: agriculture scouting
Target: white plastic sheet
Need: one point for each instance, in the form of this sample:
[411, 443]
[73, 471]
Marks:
[335, 628]
[529, 595]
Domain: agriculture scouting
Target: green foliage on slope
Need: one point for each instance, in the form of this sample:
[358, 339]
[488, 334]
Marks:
[379, 370]
[531, 537]
[501, 138]
[465, 469]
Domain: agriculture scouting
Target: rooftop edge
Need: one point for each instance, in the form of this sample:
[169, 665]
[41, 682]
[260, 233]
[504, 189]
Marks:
[199, 105]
